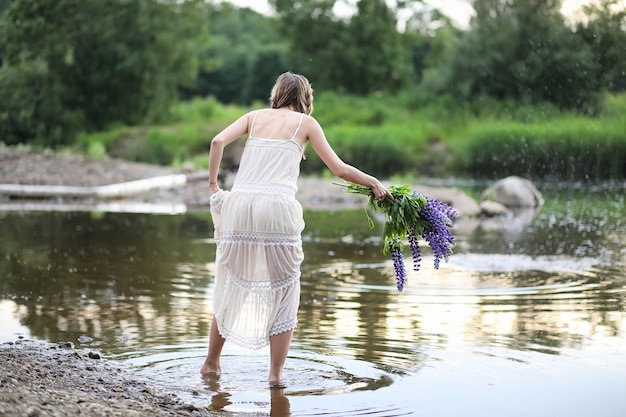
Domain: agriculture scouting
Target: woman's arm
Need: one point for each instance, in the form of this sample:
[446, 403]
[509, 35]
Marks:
[230, 134]
[339, 168]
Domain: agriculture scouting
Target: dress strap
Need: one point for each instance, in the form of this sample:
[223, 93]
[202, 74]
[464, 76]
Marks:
[298, 128]
[252, 125]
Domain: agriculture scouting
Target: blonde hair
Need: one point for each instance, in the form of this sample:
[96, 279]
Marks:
[292, 90]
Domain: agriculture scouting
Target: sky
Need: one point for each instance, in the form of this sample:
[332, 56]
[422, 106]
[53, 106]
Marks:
[460, 11]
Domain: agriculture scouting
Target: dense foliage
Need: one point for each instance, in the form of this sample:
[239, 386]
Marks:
[72, 65]
[573, 149]
[361, 54]
[399, 87]
[522, 50]
[243, 59]
[604, 31]
[387, 138]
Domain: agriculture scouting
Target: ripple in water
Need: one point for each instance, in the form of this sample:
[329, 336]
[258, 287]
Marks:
[242, 387]
[502, 263]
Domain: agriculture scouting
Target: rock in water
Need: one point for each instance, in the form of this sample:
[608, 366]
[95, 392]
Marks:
[513, 192]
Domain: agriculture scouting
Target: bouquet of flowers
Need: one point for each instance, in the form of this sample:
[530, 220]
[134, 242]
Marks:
[412, 216]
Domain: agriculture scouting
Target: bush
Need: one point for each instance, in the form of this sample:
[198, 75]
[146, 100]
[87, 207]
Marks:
[183, 138]
[196, 110]
[380, 151]
[332, 109]
[31, 109]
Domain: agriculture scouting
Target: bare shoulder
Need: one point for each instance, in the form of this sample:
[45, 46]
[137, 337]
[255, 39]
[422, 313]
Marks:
[311, 123]
[247, 118]
[310, 119]
[312, 128]
[250, 115]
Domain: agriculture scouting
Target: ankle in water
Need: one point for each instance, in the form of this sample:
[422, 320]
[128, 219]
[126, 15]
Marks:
[277, 385]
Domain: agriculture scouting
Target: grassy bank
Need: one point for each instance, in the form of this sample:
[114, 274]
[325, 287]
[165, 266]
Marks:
[397, 135]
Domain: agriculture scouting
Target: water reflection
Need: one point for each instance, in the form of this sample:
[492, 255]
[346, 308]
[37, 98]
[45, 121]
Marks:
[547, 293]
[221, 399]
[115, 278]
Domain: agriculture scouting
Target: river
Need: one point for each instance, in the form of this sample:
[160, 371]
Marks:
[526, 319]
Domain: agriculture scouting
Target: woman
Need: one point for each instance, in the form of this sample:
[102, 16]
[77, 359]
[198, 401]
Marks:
[258, 224]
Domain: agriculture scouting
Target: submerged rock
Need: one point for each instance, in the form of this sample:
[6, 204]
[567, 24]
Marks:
[493, 208]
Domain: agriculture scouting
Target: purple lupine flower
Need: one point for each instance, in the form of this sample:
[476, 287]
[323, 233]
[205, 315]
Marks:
[398, 263]
[411, 215]
[439, 238]
[415, 250]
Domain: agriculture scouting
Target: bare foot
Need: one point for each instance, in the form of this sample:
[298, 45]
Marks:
[210, 368]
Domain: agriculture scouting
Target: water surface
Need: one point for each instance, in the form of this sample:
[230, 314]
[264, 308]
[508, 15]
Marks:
[526, 319]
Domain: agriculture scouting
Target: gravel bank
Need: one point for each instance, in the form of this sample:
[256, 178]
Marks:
[25, 166]
[54, 380]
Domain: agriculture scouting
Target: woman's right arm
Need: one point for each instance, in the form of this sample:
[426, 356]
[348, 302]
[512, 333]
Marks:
[230, 134]
[337, 166]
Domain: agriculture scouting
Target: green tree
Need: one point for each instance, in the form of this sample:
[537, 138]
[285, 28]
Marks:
[431, 37]
[522, 50]
[317, 40]
[31, 107]
[4, 4]
[604, 30]
[265, 67]
[245, 55]
[380, 57]
[360, 55]
[114, 60]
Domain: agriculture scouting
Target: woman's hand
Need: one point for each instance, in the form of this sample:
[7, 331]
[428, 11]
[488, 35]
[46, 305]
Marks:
[380, 191]
[213, 187]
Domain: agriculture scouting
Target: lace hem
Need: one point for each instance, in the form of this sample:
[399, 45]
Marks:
[283, 326]
[243, 341]
[249, 187]
[258, 238]
[256, 344]
[263, 286]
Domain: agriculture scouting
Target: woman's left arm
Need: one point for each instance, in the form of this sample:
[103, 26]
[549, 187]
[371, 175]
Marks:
[230, 134]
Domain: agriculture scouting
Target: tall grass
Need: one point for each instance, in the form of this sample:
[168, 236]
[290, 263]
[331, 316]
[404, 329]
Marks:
[575, 149]
[392, 135]
[184, 138]
[558, 145]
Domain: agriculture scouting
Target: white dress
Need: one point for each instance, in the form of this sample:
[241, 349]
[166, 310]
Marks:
[258, 226]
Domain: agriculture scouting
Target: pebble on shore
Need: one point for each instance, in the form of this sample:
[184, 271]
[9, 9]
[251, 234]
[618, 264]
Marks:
[48, 379]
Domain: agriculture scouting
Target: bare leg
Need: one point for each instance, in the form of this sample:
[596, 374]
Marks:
[279, 347]
[216, 343]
